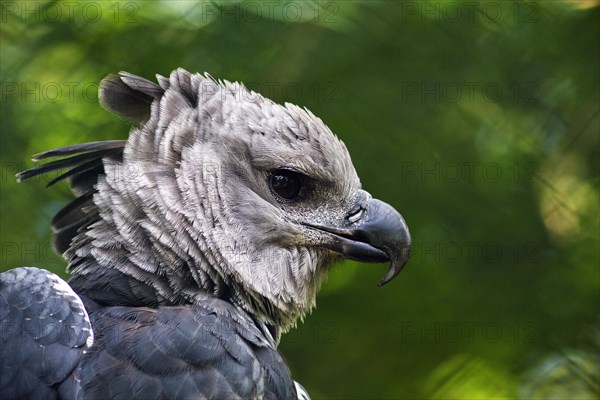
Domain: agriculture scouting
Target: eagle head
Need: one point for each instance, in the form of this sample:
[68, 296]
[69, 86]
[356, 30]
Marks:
[220, 190]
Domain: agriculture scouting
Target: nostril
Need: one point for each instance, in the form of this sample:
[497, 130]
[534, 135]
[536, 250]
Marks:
[355, 215]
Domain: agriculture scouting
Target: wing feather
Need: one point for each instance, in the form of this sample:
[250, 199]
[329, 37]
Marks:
[45, 331]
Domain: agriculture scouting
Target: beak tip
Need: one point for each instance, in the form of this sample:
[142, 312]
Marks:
[396, 266]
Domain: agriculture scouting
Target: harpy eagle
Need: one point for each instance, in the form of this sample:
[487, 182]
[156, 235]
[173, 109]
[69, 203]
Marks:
[192, 246]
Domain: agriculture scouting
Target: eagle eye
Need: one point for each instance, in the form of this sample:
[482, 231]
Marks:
[286, 184]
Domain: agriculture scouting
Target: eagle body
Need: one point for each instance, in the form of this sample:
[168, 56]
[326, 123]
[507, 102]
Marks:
[192, 246]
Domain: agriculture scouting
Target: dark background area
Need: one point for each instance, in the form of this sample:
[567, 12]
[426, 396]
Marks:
[478, 121]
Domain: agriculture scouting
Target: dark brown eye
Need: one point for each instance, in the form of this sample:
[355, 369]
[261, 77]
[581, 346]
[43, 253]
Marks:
[286, 184]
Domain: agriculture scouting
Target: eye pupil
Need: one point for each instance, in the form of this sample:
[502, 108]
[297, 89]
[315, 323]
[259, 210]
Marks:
[286, 184]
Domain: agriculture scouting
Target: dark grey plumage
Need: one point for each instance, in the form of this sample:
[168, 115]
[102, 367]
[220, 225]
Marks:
[210, 350]
[45, 331]
[196, 243]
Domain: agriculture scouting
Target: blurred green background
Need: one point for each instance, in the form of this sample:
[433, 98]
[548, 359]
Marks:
[478, 120]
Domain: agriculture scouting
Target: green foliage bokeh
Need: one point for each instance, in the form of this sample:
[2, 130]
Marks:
[479, 121]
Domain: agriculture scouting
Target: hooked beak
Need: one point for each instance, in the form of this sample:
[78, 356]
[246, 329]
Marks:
[379, 234]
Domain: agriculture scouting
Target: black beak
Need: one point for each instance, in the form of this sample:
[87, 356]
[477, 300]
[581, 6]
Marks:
[378, 234]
